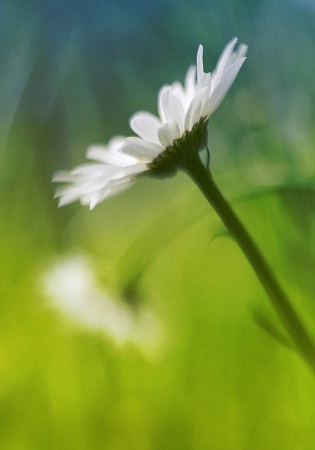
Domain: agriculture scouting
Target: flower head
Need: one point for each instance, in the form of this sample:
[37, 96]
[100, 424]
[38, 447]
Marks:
[183, 114]
[70, 286]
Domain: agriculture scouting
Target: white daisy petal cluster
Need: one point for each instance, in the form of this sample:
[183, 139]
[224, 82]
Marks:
[180, 108]
[71, 287]
[92, 183]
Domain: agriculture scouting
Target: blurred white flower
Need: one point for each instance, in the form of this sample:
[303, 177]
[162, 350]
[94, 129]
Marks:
[181, 109]
[72, 290]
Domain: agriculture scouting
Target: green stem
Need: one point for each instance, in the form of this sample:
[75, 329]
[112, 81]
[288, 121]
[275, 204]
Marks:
[279, 299]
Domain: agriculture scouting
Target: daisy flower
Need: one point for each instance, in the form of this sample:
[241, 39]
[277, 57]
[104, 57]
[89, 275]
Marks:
[71, 288]
[162, 142]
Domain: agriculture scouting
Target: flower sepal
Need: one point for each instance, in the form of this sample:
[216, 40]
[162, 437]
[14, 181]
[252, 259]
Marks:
[183, 150]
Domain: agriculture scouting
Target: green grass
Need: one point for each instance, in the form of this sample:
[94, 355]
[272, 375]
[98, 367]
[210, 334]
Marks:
[220, 381]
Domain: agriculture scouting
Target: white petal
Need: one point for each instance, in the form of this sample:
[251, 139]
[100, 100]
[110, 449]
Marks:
[109, 157]
[69, 194]
[99, 153]
[146, 126]
[110, 154]
[62, 177]
[186, 93]
[168, 133]
[115, 143]
[142, 150]
[205, 81]
[172, 108]
[227, 60]
[225, 57]
[132, 170]
[94, 200]
[190, 82]
[225, 83]
[91, 190]
[193, 114]
[179, 92]
[94, 170]
[159, 104]
[200, 70]
[206, 108]
[119, 185]
[65, 200]
[242, 51]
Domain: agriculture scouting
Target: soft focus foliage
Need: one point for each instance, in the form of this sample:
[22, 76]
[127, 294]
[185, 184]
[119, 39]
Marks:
[221, 373]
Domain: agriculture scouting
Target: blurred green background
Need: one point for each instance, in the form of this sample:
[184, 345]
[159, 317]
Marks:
[140, 325]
